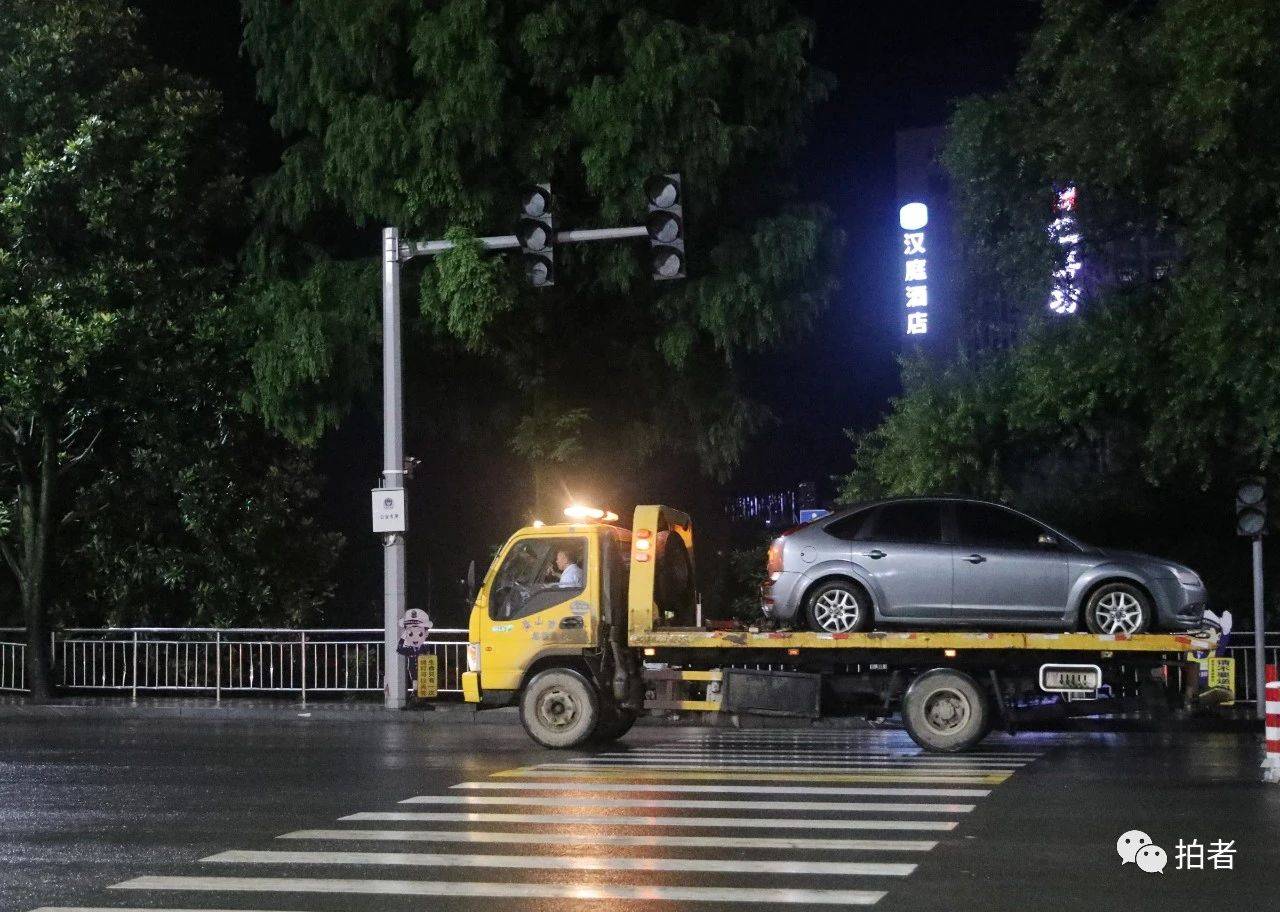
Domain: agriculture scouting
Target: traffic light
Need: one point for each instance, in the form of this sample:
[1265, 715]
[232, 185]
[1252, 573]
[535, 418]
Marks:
[1251, 507]
[665, 223]
[536, 233]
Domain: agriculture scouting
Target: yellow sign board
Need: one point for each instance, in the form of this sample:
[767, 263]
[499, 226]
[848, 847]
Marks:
[427, 684]
[1222, 674]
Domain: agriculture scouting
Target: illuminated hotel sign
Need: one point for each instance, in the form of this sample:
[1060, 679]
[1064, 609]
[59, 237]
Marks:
[1065, 296]
[912, 218]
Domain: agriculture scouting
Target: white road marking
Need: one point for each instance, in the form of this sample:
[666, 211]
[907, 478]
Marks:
[597, 838]
[582, 773]
[542, 801]
[567, 862]
[782, 823]
[456, 888]
[888, 757]
[591, 786]
[922, 773]
[818, 763]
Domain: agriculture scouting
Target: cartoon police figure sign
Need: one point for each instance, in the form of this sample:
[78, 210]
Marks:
[414, 627]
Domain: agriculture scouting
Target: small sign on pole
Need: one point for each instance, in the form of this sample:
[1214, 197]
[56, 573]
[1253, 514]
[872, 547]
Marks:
[388, 510]
[428, 686]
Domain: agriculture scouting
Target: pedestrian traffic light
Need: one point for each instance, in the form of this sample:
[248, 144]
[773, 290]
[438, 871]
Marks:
[665, 224]
[535, 231]
[1251, 507]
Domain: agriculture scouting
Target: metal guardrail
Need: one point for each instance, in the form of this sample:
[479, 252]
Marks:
[13, 671]
[226, 660]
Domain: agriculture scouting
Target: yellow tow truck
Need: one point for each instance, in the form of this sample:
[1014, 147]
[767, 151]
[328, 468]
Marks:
[586, 624]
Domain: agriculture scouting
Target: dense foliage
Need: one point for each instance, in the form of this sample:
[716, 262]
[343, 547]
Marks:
[132, 487]
[431, 117]
[1135, 418]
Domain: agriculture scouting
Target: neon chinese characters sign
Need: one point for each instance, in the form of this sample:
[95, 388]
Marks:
[912, 219]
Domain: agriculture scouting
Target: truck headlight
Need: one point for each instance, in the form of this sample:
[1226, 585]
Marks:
[1188, 578]
[473, 657]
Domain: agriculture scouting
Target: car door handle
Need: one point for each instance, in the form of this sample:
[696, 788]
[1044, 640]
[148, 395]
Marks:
[976, 559]
[876, 554]
[571, 623]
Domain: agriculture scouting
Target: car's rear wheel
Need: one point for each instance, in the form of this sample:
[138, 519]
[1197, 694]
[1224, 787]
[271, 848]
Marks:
[945, 710]
[838, 607]
[1118, 608]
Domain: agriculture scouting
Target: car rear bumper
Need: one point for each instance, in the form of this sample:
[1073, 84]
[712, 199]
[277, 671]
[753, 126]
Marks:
[780, 595]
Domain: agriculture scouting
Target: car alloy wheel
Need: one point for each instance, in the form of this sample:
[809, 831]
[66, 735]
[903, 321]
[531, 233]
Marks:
[838, 608]
[1118, 609]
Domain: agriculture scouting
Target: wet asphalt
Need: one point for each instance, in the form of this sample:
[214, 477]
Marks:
[126, 813]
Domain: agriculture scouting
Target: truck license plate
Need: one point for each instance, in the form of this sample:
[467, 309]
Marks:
[1070, 678]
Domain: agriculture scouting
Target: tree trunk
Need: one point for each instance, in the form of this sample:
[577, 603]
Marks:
[35, 517]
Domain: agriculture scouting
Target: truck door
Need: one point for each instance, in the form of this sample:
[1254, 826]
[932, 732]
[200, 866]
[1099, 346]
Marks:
[536, 606]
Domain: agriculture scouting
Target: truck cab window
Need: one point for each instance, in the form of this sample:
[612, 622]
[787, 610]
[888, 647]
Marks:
[537, 574]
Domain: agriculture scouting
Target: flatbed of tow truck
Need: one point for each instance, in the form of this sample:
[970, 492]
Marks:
[582, 664]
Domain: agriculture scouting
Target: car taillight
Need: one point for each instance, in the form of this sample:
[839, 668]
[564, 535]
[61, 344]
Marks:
[473, 657]
[774, 563]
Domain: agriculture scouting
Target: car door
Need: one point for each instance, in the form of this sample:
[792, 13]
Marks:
[1008, 567]
[903, 551]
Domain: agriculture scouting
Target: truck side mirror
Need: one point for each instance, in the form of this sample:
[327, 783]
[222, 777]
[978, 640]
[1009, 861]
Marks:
[471, 584]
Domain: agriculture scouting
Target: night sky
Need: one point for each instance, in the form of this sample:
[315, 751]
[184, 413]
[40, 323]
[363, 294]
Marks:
[898, 65]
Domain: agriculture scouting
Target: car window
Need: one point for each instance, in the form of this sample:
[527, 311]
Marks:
[917, 521]
[848, 527]
[531, 578]
[986, 526]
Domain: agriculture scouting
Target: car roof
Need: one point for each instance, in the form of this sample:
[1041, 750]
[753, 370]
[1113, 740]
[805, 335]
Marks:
[950, 498]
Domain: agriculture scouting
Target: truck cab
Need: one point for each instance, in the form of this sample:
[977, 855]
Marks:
[556, 606]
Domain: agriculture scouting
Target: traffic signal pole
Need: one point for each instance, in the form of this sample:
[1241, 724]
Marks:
[395, 253]
[1259, 631]
[393, 544]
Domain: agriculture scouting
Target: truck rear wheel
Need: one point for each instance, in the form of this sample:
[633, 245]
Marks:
[559, 708]
[945, 710]
[614, 723]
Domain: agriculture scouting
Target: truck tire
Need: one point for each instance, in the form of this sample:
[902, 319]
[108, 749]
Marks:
[945, 711]
[559, 708]
[614, 723]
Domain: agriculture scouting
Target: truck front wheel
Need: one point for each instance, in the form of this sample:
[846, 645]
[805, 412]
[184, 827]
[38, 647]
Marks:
[945, 710]
[559, 708]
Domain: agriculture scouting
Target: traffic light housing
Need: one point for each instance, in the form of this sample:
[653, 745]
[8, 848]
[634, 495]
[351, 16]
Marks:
[665, 224]
[537, 235]
[1251, 507]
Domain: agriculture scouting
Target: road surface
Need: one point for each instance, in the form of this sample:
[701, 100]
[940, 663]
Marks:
[319, 816]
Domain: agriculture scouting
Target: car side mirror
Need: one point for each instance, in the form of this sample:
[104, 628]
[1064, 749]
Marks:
[1047, 541]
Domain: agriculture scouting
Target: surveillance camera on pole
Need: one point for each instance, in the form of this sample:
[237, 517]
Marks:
[536, 233]
[665, 224]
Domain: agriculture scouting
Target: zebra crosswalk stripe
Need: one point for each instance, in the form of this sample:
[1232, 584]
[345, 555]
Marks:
[577, 785]
[593, 837]
[781, 823]
[682, 803]
[522, 890]
[567, 862]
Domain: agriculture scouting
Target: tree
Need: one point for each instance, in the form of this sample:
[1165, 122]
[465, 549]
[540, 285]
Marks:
[432, 117]
[120, 343]
[1149, 404]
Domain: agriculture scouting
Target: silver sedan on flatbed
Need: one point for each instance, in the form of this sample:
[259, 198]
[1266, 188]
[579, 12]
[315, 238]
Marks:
[942, 562]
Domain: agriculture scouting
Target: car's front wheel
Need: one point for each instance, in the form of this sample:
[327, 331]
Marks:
[1118, 608]
[838, 607]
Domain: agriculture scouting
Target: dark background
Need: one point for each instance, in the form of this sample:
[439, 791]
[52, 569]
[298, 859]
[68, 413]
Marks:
[897, 66]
